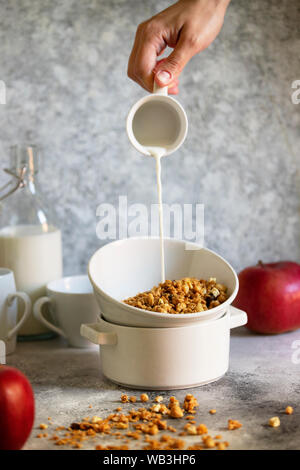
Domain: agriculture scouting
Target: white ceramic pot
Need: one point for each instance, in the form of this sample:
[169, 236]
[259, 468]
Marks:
[165, 358]
[123, 268]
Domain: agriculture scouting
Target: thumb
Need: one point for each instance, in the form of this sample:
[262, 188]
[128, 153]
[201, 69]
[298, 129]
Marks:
[167, 70]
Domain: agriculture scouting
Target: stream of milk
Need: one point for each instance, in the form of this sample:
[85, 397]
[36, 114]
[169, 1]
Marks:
[157, 153]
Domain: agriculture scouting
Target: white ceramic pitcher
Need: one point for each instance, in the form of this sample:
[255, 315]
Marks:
[157, 121]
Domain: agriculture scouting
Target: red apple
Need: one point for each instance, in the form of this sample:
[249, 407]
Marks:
[16, 408]
[270, 294]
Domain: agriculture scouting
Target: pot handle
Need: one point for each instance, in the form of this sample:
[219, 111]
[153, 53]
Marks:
[92, 332]
[237, 317]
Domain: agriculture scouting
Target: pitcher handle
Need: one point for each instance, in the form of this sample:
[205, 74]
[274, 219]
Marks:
[157, 90]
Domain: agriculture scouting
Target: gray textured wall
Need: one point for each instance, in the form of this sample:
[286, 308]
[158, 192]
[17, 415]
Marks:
[64, 63]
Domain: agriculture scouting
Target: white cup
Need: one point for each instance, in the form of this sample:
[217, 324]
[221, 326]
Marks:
[71, 302]
[157, 121]
[9, 309]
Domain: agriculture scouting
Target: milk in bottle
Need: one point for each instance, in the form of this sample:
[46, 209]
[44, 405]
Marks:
[30, 242]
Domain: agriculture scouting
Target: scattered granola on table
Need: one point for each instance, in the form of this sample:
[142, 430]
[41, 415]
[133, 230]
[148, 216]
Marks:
[187, 295]
[148, 426]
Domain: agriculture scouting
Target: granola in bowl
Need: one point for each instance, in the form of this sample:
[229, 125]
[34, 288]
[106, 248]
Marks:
[187, 295]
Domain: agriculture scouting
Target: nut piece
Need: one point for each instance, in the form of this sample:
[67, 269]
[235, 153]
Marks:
[274, 422]
[144, 397]
[132, 399]
[43, 426]
[289, 410]
[212, 412]
[176, 411]
[208, 442]
[191, 429]
[221, 446]
[124, 398]
[190, 402]
[155, 408]
[159, 399]
[202, 429]
[233, 424]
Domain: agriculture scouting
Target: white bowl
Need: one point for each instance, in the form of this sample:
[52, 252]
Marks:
[123, 268]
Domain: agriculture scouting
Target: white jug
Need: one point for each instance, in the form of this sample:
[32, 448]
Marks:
[157, 121]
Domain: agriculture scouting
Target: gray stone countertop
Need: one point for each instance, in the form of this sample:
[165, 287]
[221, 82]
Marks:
[264, 377]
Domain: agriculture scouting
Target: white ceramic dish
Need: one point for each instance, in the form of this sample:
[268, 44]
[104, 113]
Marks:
[165, 358]
[123, 268]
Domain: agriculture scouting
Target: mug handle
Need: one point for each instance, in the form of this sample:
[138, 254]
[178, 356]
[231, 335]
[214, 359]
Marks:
[157, 90]
[2, 352]
[91, 332]
[237, 317]
[38, 313]
[26, 312]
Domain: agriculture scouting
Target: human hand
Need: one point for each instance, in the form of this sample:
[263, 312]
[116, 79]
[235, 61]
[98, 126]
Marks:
[188, 26]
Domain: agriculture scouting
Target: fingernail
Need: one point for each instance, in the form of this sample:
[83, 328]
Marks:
[164, 76]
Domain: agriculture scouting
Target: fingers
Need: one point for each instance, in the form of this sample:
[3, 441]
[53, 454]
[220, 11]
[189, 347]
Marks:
[148, 45]
[169, 69]
[173, 86]
[145, 62]
[188, 27]
[173, 90]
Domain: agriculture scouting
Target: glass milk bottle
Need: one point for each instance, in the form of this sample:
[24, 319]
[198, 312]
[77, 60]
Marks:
[30, 242]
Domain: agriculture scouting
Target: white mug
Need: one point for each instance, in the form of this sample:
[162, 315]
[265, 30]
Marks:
[71, 302]
[9, 309]
[157, 121]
